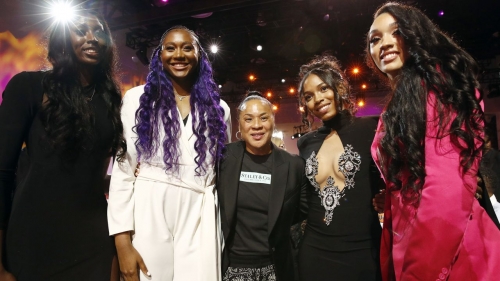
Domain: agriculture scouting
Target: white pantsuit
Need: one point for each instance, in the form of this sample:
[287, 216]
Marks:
[173, 215]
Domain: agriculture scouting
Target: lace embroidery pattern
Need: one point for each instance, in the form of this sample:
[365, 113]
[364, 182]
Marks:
[349, 163]
[266, 273]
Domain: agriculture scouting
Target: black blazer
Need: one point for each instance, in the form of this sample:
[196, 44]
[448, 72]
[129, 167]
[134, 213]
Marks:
[287, 203]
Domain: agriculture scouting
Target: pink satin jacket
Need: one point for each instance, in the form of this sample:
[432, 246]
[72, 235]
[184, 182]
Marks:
[448, 236]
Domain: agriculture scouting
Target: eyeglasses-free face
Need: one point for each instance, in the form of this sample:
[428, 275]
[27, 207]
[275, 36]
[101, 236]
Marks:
[387, 47]
[88, 40]
[179, 54]
[256, 124]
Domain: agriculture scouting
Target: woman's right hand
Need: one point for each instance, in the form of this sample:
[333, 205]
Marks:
[6, 276]
[129, 259]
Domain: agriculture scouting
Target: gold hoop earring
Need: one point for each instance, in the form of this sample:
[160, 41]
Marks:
[239, 138]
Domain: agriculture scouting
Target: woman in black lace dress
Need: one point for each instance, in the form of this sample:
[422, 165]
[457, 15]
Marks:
[342, 235]
[69, 119]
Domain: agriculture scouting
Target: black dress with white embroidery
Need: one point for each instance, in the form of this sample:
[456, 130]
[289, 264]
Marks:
[342, 235]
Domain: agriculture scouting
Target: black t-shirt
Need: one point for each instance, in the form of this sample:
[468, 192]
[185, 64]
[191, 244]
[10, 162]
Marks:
[251, 228]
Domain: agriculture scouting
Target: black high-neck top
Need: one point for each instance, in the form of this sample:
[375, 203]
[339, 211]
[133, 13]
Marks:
[353, 223]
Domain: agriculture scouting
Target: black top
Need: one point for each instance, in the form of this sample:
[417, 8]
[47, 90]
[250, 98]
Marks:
[251, 231]
[352, 222]
[58, 224]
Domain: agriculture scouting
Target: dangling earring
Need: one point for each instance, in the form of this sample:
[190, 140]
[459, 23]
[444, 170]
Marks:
[239, 138]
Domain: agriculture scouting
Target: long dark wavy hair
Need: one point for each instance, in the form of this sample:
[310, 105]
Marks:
[66, 113]
[157, 106]
[434, 63]
[328, 69]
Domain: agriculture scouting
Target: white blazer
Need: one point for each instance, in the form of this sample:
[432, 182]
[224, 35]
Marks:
[121, 191]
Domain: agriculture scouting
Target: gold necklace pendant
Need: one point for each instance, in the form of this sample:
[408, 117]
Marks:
[92, 96]
[179, 96]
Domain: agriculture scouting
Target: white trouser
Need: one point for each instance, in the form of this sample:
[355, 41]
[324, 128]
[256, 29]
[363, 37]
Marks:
[170, 234]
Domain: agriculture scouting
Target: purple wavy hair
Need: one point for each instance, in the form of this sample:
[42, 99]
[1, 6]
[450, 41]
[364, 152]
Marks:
[157, 104]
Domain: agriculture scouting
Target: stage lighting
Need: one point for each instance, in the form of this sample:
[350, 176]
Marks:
[269, 94]
[142, 55]
[299, 131]
[214, 49]
[159, 3]
[259, 48]
[283, 80]
[252, 77]
[355, 70]
[360, 99]
[62, 11]
[275, 107]
[364, 86]
[291, 90]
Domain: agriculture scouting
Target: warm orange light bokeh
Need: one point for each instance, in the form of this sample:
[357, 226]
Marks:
[275, 107]
[292, 90]
[363, 86]
[355, 70]
[29, 54]
[361, 103]
[251, 77]
[269, 94]
[24, 54]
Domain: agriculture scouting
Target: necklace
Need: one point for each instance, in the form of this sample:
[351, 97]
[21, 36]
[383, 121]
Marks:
[179, 96]
[92, 96]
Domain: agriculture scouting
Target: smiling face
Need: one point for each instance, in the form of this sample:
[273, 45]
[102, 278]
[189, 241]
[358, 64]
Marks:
[387, 47]
[179, 54]
[319, 98]
[88, 40]
[256, 124]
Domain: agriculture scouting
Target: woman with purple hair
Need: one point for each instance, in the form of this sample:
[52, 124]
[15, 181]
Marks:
[162, 200]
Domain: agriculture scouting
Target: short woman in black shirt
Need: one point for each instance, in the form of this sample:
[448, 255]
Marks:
[261, 192]
[342, 235]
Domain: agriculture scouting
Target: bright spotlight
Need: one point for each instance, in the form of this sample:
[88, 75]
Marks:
[220, 86]
[214, 49]
[251, 77]
[355, 70]
[259, 48]
[283, 80]
[269, 94]
[62, 11]
[361, 103]
[292, 90]
[363, 86]
[275, 107]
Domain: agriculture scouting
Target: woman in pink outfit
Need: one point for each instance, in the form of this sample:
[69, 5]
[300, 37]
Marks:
[427, 147]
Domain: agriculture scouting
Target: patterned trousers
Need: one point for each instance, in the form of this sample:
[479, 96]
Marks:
[250, 274]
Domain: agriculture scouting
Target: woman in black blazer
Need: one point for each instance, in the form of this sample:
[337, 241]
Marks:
[262, 191]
